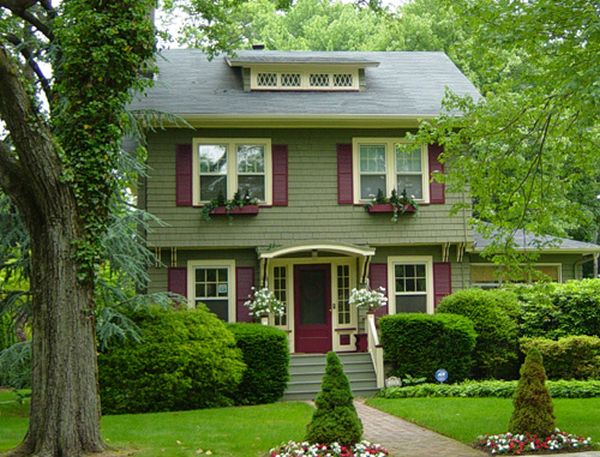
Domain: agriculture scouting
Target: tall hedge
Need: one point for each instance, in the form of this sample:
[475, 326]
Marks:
[558, 310]
[494, 315]
[572, 357]
[186, 360]
[266, 355]
[419, 344]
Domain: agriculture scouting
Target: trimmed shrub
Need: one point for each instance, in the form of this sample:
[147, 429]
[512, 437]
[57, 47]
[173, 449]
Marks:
[335, 419]
[494, 314]
[572, 357]
[419, 344]
[558, 310]
[500, 389]
[186, 360]
[533, 412]
[15, 366]
[266, 355]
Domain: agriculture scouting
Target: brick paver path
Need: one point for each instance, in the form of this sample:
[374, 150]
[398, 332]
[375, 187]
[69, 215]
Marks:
[405, 439]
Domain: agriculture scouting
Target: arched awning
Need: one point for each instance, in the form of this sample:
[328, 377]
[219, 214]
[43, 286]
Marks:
[337, 248]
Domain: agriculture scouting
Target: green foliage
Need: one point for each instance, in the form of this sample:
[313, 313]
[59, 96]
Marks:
[15, 366]
[533, 411]
[500, 389]
[7, 333]
[493, 314]
[571, 357]
[187, 360]
[557, 310]
[335, 419]
[419, 344]
[266, 355]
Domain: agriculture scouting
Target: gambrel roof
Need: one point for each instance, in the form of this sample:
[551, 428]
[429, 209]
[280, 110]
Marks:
[403, 85]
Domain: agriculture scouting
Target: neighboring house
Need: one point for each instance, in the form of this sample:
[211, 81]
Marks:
[313, 136]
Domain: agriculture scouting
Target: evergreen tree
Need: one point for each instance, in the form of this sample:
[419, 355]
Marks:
[335, 419]
[533, 411]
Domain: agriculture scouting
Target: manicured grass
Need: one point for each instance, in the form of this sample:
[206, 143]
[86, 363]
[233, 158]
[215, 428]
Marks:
[229, 432]
[465, 418]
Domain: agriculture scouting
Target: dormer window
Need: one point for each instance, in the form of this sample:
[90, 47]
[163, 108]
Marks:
[304, 79]
[299, 71]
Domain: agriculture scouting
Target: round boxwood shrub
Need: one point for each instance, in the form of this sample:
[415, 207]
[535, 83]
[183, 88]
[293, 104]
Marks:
[266, 355]
[419, 344]
[335, 420]
[186, 360]
[571, 357]
[494, 314]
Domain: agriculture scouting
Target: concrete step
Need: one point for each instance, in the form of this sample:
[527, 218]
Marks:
[307, 370]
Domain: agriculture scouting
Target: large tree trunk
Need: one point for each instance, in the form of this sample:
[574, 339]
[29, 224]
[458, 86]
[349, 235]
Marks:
[65, 406]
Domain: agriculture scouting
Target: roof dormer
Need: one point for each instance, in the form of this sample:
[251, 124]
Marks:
[266, 71]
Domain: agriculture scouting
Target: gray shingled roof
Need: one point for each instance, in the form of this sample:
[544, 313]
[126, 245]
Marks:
[405, 84]
[265, 57]
[527, 240]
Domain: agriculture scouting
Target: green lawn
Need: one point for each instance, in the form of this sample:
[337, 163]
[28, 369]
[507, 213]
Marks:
[465, 418]
[241, 432]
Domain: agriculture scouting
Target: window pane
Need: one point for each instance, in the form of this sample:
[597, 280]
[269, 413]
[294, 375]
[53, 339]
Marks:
[212, 186]
[255, 185]
[213, 158]
[370, 185]
[412, 184]
[408, 158]
[250, 158]
[372, 158]
[421, 270]
[411, 303]
[219, 307]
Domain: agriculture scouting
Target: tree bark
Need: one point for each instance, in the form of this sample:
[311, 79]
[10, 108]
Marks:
[65, 405]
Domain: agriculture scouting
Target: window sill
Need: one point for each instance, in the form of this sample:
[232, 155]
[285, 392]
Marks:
[246, 210]
[379, 208]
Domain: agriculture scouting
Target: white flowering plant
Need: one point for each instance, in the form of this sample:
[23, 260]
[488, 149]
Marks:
[362, 449]
[368, 298]
[263, 302]
[517, 444]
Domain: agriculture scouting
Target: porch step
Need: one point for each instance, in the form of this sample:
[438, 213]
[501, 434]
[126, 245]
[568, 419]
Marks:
[307, 370]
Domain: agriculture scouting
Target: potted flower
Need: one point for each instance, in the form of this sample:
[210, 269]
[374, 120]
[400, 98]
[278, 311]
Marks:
[371, 300]
[262, 303]
[238, 205]
[396, 204]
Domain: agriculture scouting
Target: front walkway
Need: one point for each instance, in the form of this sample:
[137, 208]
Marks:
[405, 439]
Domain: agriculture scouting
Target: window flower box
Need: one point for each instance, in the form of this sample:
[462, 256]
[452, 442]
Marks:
[389, 208]
[246, 210]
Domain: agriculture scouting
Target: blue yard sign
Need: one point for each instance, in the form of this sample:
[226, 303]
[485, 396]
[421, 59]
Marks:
[441, 375]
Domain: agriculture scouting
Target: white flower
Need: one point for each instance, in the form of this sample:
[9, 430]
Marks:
[369, 298]
[263, 302]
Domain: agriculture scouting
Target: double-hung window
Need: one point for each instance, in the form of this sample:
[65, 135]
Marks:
[226, 166]
[411, 280]
[385, 164]
[212, 283]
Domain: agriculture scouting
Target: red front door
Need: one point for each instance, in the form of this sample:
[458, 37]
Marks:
[312, 302]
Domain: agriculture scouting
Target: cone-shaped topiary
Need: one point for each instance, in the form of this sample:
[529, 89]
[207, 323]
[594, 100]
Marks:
[335, 419]
[533, 411]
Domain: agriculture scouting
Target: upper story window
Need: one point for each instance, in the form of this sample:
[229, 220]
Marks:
[228, 165]
[384, 164]
[304, 79]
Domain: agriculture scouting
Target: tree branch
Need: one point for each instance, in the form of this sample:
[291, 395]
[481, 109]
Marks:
[30, 59]
[12, 179]
[20, 8]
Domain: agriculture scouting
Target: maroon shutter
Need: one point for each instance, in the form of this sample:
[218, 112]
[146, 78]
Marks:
[280, 175]
[378, 278]
[437, 194]
[442, 280]
[183, 175]
[344, 170]
[177, 281]
[244, 280]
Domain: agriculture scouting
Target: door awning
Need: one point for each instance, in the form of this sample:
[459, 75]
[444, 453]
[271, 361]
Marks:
[337, 248]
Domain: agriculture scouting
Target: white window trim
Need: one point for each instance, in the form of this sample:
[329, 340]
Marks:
[498, 284]
[390, 166]
[410, 260]
[305, 73]
[191, 282]
[232, 175]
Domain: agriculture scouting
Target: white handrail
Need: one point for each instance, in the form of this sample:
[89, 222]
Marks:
[375, 349]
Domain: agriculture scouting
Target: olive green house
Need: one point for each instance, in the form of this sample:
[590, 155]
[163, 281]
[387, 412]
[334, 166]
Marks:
[313, 137]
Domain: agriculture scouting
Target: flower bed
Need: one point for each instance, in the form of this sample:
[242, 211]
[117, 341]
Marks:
[510, 444]
[362, 449]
